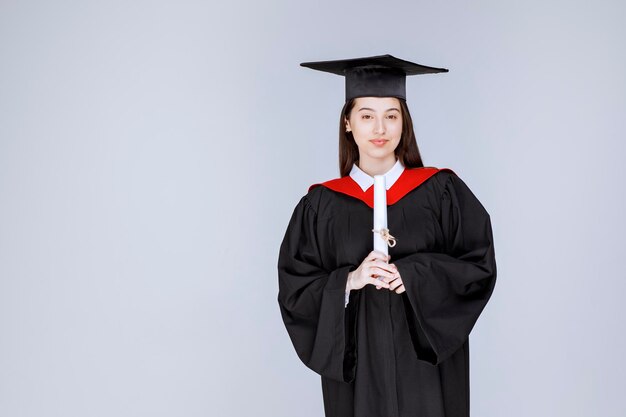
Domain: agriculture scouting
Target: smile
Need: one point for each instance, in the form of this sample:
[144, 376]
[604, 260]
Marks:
[379, 142]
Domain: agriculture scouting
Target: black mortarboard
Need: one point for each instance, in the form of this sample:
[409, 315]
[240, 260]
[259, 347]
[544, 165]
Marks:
[373, 76]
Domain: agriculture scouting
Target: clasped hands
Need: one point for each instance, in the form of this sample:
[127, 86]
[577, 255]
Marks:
[375, 266]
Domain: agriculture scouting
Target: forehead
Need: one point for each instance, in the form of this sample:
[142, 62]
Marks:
[377, 103]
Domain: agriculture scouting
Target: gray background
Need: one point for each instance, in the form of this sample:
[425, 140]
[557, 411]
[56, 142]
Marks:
[151, 154]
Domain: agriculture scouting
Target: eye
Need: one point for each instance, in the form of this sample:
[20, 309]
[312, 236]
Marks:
[366, 116]
[393, 116]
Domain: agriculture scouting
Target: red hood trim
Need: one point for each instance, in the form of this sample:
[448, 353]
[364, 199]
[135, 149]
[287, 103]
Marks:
[410, 179]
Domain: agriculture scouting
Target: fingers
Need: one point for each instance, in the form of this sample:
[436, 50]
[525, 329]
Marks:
[398, 289]
[388, 279]
[375, 265]
[375, 271]
[395, 284]
[383, 272]
[382, 265]
[378, 283]
[377, 255]
[380, 279]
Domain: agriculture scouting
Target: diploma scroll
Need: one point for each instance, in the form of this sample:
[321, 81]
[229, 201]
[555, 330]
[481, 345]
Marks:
[380, 215]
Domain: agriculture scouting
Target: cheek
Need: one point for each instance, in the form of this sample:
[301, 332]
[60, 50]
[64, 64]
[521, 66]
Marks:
[397, 128]
[360, 132]
[358, 136]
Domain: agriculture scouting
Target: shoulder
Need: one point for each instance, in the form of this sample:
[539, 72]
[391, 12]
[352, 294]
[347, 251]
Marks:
[310, 202]
[455, 190]
[334, 196]
[450, 182]
[339, 182]
[335, 183]
[319, 195]
[444, 176]
[435, 178]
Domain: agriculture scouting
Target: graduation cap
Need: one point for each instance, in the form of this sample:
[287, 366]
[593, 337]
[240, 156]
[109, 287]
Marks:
[373, 76]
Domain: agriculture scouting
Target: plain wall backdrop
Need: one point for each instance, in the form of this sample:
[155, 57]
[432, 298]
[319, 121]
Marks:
[152, 152]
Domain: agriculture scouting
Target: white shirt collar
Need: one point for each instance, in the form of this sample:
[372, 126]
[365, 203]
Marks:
[365, 181]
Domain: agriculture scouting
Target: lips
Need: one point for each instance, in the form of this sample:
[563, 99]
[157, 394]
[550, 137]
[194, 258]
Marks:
[379, 142]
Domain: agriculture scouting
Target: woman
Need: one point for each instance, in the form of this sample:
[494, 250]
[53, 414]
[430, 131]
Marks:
[389, 336]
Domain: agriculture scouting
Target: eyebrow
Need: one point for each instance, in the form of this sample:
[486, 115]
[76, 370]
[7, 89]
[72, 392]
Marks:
[389, 109]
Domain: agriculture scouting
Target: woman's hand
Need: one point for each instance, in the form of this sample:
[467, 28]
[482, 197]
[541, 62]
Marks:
[374, 265]
[396, 283]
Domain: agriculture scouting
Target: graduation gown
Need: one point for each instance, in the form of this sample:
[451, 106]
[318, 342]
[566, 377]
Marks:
[388, 354]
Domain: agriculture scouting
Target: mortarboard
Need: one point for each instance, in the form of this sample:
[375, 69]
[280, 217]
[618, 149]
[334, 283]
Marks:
[373, 76]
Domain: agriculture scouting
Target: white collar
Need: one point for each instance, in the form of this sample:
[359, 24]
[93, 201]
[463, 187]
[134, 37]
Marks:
[365, 181]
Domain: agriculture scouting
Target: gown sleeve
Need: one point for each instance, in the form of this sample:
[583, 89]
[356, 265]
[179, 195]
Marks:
[311, 300]
[446, 292]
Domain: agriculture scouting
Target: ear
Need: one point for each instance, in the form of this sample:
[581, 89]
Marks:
[348, 128]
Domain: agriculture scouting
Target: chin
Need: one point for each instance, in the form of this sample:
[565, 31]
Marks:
[380, 155]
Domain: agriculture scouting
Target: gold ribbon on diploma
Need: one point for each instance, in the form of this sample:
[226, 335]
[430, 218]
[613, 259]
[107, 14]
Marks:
[384, 233]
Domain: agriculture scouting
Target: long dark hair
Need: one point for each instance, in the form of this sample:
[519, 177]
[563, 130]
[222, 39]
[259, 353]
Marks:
[407, 151]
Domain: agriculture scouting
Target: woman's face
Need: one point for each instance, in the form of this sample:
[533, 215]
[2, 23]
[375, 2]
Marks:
[376, 125]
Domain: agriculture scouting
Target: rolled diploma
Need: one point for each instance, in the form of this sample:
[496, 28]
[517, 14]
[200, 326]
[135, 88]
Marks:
[380, 213]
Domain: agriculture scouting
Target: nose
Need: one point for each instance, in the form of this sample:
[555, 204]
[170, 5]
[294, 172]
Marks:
[379, 128]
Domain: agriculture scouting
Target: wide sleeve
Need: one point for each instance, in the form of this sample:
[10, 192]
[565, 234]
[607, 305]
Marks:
[311, 300]
[446, 292]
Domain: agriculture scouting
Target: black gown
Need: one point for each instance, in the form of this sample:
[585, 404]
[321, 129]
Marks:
[385, 354]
